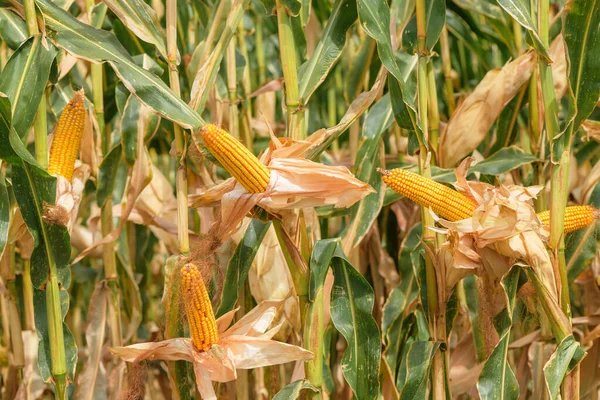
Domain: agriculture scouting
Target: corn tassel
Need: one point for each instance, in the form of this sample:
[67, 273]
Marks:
[67, 138]
[576, 217]
[236, 158]
[198, 309]
[444, 201]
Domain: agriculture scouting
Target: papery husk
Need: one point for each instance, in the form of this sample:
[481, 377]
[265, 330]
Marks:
[559, 66]
[270, 280]
[591, 129]
[32, 385]
[474, 117]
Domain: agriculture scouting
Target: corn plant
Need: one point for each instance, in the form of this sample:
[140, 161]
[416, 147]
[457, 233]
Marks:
[296, 199]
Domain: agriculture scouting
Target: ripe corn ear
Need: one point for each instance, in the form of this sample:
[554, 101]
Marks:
[444, 201]
[576, 217]
[198, 309]
[236, 158]
[67, 138]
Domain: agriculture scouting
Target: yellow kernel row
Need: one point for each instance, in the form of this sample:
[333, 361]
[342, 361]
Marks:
[236, 158]
[198, 308]
[67, 138]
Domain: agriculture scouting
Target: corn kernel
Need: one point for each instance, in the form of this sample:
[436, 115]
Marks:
[67, 138]
[444, 201]
[198, 309]
[576, 217]
[236, 158]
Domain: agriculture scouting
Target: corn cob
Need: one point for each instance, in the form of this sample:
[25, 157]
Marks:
[576, 217]
[67, 138]
[198, 309]
[444, 201]
[236, 158]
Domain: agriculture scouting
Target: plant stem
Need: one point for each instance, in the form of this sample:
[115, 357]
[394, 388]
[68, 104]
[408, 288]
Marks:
[289, 65]
[177, 369]
[53, 309]
[108, 250]
[447, 66]
[246, 130]
[435, 308]
[234, 121]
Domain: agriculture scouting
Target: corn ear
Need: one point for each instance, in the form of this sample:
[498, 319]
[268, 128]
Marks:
[444, 201]
[198, 308]
[576, 217]
[67, 137]
[236, 158]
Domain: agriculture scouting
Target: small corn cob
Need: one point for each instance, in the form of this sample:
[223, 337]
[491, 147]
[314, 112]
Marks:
[67, 138]
[576, 217]
[198, 309]
[236, 158]
[444, 201]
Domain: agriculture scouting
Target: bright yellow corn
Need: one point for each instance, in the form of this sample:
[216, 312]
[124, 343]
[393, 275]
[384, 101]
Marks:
[444, 201]
[67, 137]
[198, 308]
[576, 217]
[236, 158]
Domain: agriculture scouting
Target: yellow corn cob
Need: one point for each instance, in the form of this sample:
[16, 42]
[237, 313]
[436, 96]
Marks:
[236, 158]
[444, 201]
[198, 309]
[67, 138]
[576, 217]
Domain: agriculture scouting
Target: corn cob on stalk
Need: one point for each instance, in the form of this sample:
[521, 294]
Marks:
[67, 137]
[576, 217]
[236, 158]
[454, 206]
[444, 201]
[198, 308]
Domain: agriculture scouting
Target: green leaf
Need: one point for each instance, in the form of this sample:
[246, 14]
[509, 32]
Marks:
[4, 213]
[497, 380]
[368, 159]
[13, 30]
[560, 363]
[107, 174]
[519, 10]
[24, 80]
[33, 189]
[503, 161]
[240, 263]
[355, 78]
[136, 116]
[582, 19]
[294, 390]
[41, 325]
[142, 20]
[435, 18]
[314, 71]
[351, 310]
[461, 31]
[97, 45]
[417, 365]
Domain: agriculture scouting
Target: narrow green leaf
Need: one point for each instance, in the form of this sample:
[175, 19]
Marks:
[294, 390]
[417, 365]
[240, 263]
[4, 213]
[41, 325]
[97, 45]
[24, 80]
[13, 30]
[351, 309]
[581, 32]
[368, 159]
[519, 10]
[136, 116]
[314, 71]
[435, 18]
[107, 174]
[142, 20]
[560, 363]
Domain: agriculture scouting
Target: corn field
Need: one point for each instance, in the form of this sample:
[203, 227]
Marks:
[299, 199]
